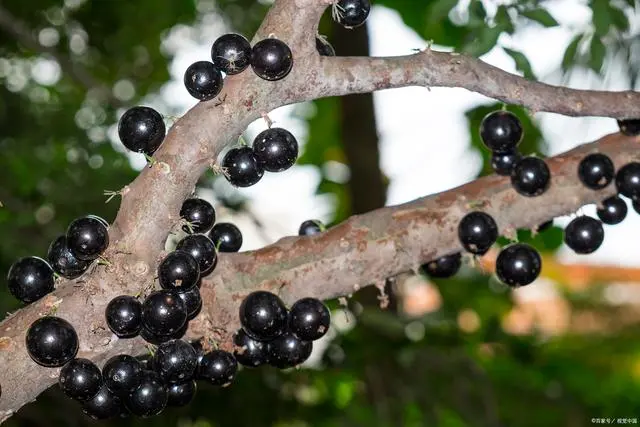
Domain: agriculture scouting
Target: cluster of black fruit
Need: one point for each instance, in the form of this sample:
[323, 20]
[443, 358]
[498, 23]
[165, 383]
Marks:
[69, 256]
[519, 264]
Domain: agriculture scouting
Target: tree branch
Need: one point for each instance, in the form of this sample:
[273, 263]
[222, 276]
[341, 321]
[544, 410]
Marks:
[363, 250]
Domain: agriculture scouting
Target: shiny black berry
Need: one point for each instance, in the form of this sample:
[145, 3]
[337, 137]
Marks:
[122, 374]
[530, 176]
[226, 236]
[178, 270]
[288, 351]
[503, 163]
[203, 80]
[124, 316]
[249, 352]
[242, 167]
[629, 127]
[202, 249]
[263, 315]
[596, 171]
[351, 13]
[141, 129]
[150, 397]
[584, 235]
[80, 379]
[103, 405]
[613, 210]
[271, 59]
[545, 226]
[175, 361]
[192, 301]
[276, 149]
[443, 267]
[199, 215]
[63, 261]
[628, 180]
[51, 341]
[518, 265]
[181, 394]
[163, 312]
[323, 47]
[231, 53]
[218, 367]
[311, 227]
[153, 338]
[309, 319]
[30, 279]
[477, 232]
[87, 238]
[501, 131]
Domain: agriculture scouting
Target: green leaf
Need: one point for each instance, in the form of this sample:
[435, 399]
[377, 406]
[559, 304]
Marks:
[522, 63]
[541, 16]
[601, 16]
[570, 52]
[619, 18]
[503, 19]
[484, 42]
[597, 53]
[477, 12]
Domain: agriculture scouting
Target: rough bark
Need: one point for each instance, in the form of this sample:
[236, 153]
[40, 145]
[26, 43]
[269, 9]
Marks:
[363, 250]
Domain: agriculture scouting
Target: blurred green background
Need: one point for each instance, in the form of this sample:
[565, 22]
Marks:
[457, 352]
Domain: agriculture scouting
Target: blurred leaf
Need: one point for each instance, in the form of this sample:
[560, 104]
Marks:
[485, 40]
[541, 16]
[503, 19]
[570, 52]
[601, 16]
[522, 63]
[619, 18]
[597, 53]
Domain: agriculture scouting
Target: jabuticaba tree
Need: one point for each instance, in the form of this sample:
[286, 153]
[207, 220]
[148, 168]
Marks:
[204, 308]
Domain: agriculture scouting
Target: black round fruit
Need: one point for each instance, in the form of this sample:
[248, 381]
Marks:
[629, 127]
[218, 367]
[584, 235]
[51, 341]
[518, 265]
[503, 163]
[242, 167]
[276, 149]
[596, 171]
[271, 59]
[141, 129]
[163, 312]
[153, 338]
[226, 237]
[178, 270]
[231, 53]
[202, 249]
[30, 279]
[103, 405]
[477, 232]
[443, 267]
[530, 176]
[628, 180]
[501, 131]
[122, 374]
[192, 301]
[351, 13]
[544, 226]
[199, 214]
[150, 397]
[203, 80]
[124, 316]
[309, 319]
[87, 238]
[63, 261]
[263, 315]
[323, 47]
[249, 352]
[311, 227]
[175, 361]
[181, 394]
[613, 210]
[80, 379]
[288, 351]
